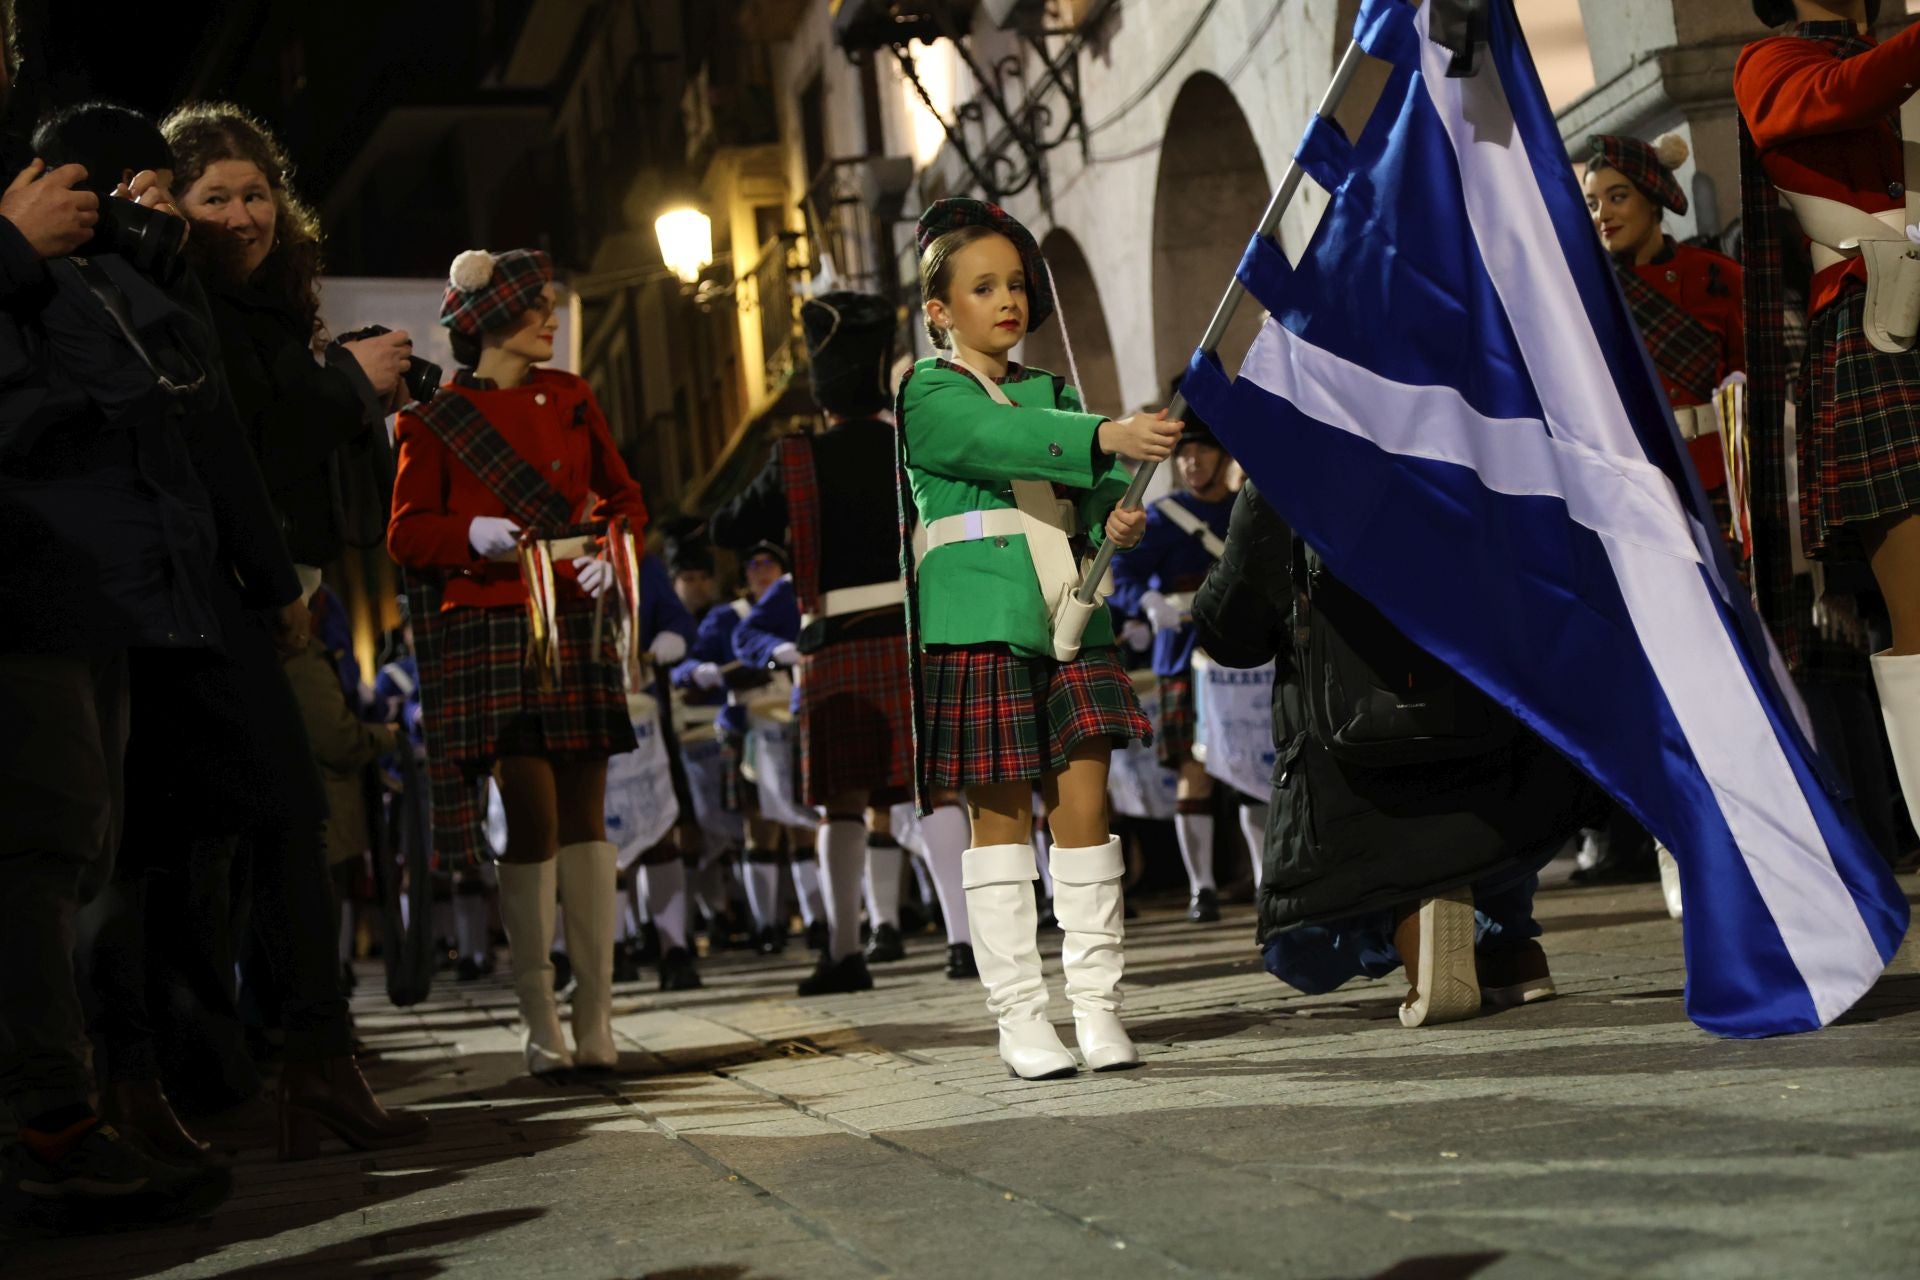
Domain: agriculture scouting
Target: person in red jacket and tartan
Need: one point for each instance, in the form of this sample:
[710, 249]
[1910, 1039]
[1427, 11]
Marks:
[1820, 109]
[510, 476]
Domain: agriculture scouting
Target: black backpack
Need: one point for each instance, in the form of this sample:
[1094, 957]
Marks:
[1373, 697]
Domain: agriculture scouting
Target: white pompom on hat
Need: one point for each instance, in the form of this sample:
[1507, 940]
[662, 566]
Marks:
[471, 270]
[1671, 149]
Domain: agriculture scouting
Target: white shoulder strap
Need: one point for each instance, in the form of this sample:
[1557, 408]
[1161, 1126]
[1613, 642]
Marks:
[742, 607]
[1191, 525]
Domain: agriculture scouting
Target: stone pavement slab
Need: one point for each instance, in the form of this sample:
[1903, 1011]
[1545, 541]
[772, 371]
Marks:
[753, 1135]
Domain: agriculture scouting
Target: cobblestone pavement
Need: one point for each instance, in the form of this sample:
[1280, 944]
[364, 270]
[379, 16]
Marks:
[757, 1136]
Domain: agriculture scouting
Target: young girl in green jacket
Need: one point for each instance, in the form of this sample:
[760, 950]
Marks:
[1014, 483]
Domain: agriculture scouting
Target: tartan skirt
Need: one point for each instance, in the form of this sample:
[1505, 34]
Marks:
[856, 721]
[1859, 451]
[989, 716]
[492, 706]
[1179, 712]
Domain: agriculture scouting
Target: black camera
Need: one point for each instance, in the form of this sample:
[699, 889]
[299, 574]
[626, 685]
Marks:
[152, 241]
[422, 377]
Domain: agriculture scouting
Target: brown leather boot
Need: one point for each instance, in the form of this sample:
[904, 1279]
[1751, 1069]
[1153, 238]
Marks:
[331, 1095]
[140, 1110]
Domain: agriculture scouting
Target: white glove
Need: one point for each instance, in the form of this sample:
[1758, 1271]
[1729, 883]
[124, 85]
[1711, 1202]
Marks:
[668, 648]
[1162, 614]
[490, 536]
[594, 575]
[786, 655]
[707, 676]
[1136, 635]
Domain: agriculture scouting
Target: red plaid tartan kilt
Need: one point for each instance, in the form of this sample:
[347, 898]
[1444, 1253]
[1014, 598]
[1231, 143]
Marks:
[1179, 712]
[991, 717]
[1859, 441]
[856, 721]
[491, 705]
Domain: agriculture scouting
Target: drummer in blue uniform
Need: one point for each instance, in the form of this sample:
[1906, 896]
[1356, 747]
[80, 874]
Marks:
[1154, 583]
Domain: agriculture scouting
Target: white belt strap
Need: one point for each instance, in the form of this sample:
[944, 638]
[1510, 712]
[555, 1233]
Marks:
[875, 595]
[1191, 525]
[1041, 522]
[1698, 420]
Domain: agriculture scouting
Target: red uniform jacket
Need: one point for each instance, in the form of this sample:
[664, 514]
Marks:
[1708, 287]
[1825, 126]
[553, 423]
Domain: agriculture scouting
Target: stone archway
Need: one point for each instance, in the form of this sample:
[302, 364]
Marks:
[1212, 189]
[1087, 322]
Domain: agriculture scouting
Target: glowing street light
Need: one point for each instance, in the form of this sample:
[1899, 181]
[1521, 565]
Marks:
[686, 242]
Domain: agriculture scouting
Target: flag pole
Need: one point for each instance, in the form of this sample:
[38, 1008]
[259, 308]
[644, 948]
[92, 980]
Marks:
[1086, 596]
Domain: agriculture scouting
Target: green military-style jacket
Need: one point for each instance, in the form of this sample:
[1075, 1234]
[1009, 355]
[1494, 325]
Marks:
[962, 451]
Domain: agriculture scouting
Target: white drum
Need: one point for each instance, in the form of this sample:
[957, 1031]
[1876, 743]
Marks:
[1137, 785]
[1234, 721]
[641, 805]
[772, 744]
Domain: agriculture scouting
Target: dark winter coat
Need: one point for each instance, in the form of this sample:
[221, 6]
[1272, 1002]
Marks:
[119, 502]
[1341, 839]
[315, 426]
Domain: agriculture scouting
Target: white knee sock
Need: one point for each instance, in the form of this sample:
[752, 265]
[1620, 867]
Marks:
[1253, 825]
[1195, 832]
[922, 878]
[665, 887]
[1042, 856]
[763, 894]
[885, 862]
[806, 888]
[842, 846]
[623, 917]
[948, 833]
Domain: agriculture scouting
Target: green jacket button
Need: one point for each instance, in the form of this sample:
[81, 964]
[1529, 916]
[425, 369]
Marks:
[1055, 450]
[999, 542]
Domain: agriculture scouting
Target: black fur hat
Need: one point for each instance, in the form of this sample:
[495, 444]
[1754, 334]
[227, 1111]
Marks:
[1777, 13]
[850, 349]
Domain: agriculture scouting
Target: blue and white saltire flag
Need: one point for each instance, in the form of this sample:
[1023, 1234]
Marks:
[1450, 402]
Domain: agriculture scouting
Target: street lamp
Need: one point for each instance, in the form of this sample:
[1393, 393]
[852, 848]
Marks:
[686, 242]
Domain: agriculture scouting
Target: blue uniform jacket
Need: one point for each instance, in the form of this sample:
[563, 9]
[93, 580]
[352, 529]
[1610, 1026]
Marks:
[773, 621]
[1170, 561]
[660, 607]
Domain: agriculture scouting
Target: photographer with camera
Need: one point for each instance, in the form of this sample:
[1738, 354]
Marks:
[217, 748]
[315, 424]
[119, 482]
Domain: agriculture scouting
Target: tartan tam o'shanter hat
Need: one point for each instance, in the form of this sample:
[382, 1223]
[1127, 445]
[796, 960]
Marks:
[1647, 165]
[487, 291]
[954, 213]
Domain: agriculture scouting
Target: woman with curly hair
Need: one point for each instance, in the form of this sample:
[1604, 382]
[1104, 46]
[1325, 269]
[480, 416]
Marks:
[315, 427]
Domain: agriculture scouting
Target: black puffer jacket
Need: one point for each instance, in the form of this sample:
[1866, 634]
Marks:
[1342, 839]
[315, 427]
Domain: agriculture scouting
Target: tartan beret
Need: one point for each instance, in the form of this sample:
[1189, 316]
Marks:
[488, 291]
[952, 214]
[850, 350]
[1643, 164]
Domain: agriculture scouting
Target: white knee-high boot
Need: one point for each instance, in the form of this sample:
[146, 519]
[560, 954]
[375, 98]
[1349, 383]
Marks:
[1087, 903]
[1898, 681]
[527, 909]
[587, 873]
[1000, 908]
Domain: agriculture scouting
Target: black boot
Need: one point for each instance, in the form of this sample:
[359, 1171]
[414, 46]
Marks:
[770, 941]
[1205, 907]
[837, 977]
[885, 946]
[960, 962]
[677, 971]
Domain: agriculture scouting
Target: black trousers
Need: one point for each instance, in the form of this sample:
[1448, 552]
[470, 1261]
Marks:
[63, 730]
[217, 749]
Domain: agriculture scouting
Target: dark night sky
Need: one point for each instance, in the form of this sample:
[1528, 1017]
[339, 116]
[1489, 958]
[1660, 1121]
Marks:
[320, 72]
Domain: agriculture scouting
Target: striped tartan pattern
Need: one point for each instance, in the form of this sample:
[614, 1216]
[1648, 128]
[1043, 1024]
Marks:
[856, 720]
[1685, 351]
[459, 802]
[802, 489]
[492, 705]
[1861, 460]
[518, 277]
[1179, 714]
[992, 717]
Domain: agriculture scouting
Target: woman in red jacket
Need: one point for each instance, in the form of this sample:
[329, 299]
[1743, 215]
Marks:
[1819, 114]
[503, 464]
